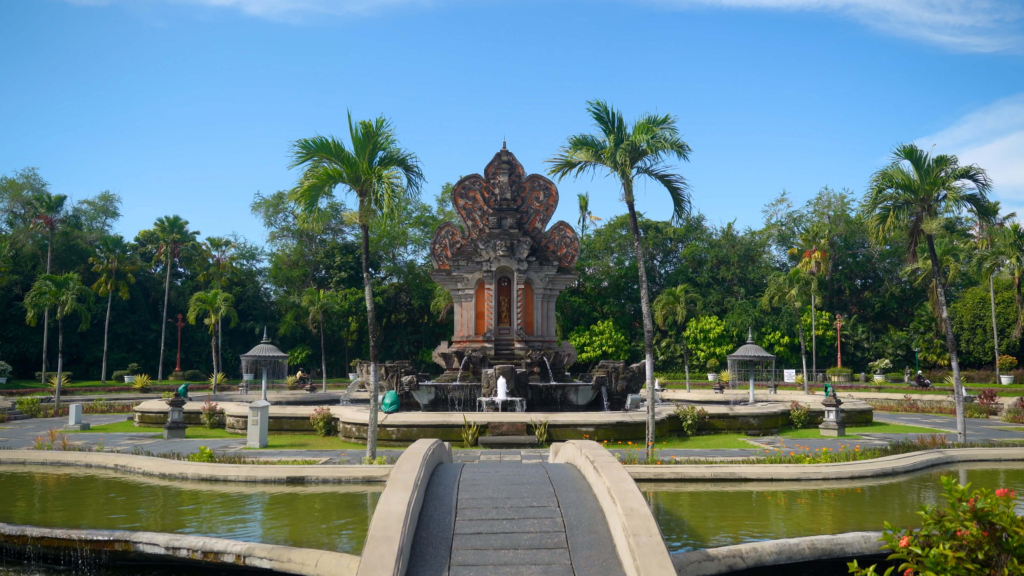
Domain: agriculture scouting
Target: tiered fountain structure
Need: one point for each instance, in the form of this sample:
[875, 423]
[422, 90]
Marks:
[504, 269]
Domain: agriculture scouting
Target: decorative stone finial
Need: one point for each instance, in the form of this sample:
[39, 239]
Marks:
[750, 335]
[265, 339]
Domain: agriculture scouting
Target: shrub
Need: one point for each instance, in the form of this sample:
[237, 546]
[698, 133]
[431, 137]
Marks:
[799, 380]
[799, 415]
[211, 414]
[291, 382]
[540, 430]
[142, 382]
[217, 379]
[118, 375]
[134, 368]
[204, 455]
[1007, 362]
[989, 398]
[39, 375]
[470, 433]
[894, 376]
[713, 365]
[1015, 412]
[977, 532]
[691, 418]
[835, 370]
[52, 381]
[723, 376]
[322, 421]
[194, 376]
[5, 369]
[29, 407]
[880, 366]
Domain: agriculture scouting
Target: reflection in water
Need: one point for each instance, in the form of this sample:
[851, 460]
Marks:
[325, 517]
[706, 515]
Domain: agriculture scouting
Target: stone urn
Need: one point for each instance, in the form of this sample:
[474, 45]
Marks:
[1006, 379]
[129, 378]
[880, 378]
[712, 377]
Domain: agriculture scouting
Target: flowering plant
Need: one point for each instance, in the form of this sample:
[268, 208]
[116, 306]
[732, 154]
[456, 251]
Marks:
[978, 532]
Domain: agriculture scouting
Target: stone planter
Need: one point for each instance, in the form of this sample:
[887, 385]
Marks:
[129, 379]
[1006, 379]
[879, 377]
[3, 379]
[712, 377]
[352, 375]
[247, 377]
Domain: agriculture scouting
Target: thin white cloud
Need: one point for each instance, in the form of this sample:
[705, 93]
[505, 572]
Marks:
[962, 25]
[993, 138]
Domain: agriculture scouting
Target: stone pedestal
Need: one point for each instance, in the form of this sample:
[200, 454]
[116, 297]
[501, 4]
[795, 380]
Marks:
[259, 418]
[833, 424]
[75, 419]
[175, 426]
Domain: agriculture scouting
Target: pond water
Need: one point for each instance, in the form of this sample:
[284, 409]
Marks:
[331, 517]
[706, 515]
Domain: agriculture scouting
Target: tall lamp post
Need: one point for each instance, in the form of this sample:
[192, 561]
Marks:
[177, 365]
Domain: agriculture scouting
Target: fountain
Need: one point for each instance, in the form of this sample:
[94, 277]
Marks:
[501, 399]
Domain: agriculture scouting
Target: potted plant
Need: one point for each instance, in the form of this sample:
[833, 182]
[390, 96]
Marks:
[5, 372]
[141, 383]
[133, 370]
[839, 374]
[353, 375]
[712, 370]
[878, 367]
[1006, 363]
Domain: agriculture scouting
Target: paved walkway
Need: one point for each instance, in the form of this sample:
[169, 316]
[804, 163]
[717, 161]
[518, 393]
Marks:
[504, 519]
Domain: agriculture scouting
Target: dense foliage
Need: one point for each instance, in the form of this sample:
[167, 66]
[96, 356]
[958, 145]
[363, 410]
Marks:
[885, 303]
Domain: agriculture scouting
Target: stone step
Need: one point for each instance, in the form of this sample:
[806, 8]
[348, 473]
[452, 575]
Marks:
[15, 414]
[529, 441]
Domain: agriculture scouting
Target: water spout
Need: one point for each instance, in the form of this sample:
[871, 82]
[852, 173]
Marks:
[461, 364]
[551, 375]
[502, 388]
[604, 398]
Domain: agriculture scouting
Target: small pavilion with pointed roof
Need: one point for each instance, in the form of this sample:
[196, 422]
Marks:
[752, 357]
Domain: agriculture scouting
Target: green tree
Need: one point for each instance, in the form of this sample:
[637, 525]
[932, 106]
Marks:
[789, 289]
[812, 262]
[113, 256]
[992, 262]
[708, 339]
[380, 173]
[212, 306]
[672, 309]
[587, 218]
[172, 238]
[971, 325]
[318, 303]
[629, 152]
[910, 197]
[952, 260]
[66, 295]
[48, 210]
[602, 341]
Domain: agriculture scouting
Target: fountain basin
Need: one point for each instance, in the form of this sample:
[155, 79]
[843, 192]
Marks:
[559, 396]
[507, 404]
[442, 397]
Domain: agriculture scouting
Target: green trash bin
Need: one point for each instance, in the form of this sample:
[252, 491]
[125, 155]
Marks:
[390, 403]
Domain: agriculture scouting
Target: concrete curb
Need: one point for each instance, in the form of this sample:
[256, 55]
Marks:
[637, 537]
[886, 466]
[71, 543]
[389, 539]
[727, 559]
[179, 470]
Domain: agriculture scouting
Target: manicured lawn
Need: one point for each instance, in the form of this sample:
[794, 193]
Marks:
[709, 442]
[82, 386]
[873, 428]
[276, 441]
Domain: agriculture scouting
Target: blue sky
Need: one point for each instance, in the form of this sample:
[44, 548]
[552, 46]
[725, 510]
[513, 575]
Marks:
[189, 106]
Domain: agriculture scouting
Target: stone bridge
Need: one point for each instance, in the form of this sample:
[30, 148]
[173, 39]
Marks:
[578, 514]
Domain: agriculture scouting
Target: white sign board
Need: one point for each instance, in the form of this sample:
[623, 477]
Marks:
[789, 376]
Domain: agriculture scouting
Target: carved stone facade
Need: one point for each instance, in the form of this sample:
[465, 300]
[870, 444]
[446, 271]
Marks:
[504, 270]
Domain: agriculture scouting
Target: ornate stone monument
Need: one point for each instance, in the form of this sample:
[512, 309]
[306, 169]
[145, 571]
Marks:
[504, 270]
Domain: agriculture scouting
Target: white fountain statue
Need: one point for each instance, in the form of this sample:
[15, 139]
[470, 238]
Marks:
[501, 399]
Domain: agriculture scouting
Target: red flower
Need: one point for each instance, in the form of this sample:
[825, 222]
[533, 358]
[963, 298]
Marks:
[1006, 493]
[905, 541]
[908, 572]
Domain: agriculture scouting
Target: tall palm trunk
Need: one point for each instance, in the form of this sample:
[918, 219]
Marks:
[220, 336]
[371, 319]
[814, 343]
[958, 390]
[213, 353]
[686, 364]
[995, 332]
[106, 331]
[46, 313]
[323, 354]
[163, 320]
[803, 346]
[60, 366]
[645, 307]
[1020, 305]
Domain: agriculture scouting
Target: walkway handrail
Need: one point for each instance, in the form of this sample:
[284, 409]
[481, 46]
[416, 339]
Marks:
[637, 538]
[389, 539]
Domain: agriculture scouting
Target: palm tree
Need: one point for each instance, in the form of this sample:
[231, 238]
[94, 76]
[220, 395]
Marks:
[909, 197]
[381, 174]
[789, 288]
[987, 228]
[66, 295]
[1007, 253]
[951, 262]
[441, 303]
[319, 302]
[213, 306]
[172, 235]
[628, 152]
[812, 263]
[221, 253]
[49, 210]
[672, 308]
[113, 255]
[587, 218]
